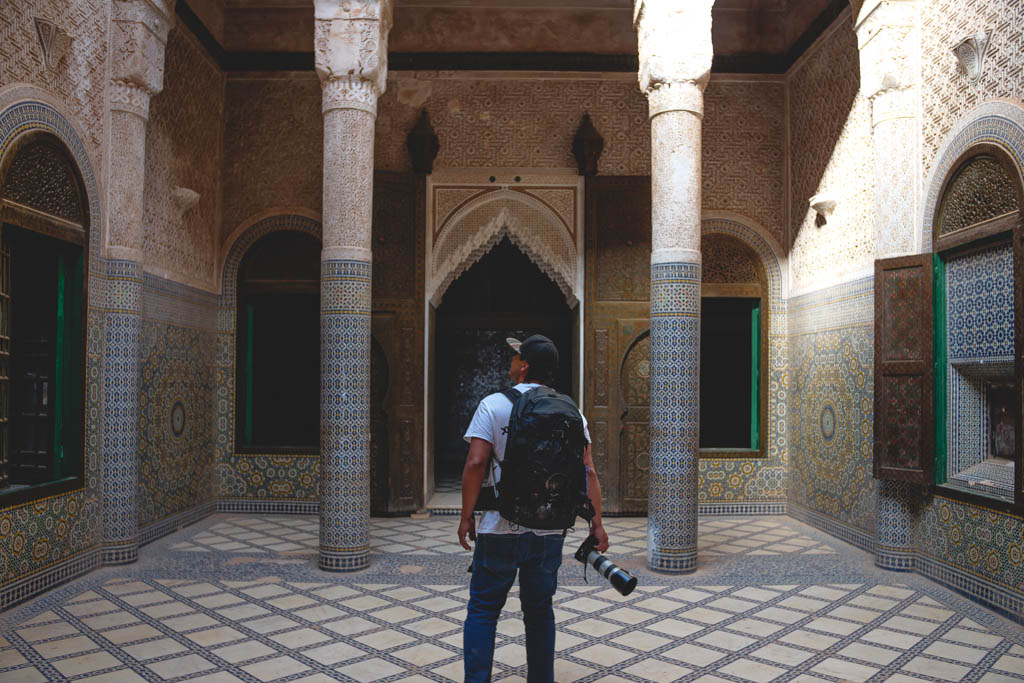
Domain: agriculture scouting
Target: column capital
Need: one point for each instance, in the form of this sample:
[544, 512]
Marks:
[885, 38]
[675, 52]
[137, 49]
[351, 47]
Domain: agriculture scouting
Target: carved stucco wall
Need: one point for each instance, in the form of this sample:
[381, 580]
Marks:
[831, 151]
[744, 150]
[274, 134]
[183, 150]
[946, 93]
[79, 80]
[514, 121]
[273, 146]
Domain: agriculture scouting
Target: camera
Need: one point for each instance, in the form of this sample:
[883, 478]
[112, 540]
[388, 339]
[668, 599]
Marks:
[621, 580]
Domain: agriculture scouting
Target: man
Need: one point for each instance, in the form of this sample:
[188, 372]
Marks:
[502, 547]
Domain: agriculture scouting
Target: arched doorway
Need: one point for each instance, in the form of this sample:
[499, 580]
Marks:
[503, 295]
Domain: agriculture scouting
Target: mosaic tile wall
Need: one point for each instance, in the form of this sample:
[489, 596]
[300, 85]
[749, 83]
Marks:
[47, 541]
[831, 418]
[176, 467]
[974, 549]
[979, 296]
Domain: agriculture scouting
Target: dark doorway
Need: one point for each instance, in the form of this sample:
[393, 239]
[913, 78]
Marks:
[729, 344]
[279, 344]
[503, 295]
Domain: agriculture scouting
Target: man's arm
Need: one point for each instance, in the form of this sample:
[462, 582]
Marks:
[594, 491]
[473, 476]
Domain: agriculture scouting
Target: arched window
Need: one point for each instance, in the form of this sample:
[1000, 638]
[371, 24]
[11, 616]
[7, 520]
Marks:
[42, 251]
[976, 301]
[733, 348]
[278, 345]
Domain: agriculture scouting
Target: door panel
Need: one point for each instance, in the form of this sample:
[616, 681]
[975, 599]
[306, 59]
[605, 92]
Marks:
[617, 348]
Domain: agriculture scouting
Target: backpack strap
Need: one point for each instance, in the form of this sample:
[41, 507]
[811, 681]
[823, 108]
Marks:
[512, 394]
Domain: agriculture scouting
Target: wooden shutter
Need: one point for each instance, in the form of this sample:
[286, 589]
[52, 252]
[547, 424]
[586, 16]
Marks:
[903, 369]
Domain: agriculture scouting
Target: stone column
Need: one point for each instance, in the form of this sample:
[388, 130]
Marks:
[675, 64]
[137, 41]
[351, 61]
[889, 77]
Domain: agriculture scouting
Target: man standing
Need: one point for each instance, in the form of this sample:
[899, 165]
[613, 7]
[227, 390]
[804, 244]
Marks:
[503, 548]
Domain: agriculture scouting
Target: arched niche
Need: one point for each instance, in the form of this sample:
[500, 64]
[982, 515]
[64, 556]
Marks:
[531, 224]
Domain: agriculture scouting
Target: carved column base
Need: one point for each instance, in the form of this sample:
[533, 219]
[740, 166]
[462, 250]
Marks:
[675, 417]
[894, 526]
[344, 415]
[123, 326]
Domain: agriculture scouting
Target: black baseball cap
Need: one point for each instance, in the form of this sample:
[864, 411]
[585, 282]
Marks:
[537, 350]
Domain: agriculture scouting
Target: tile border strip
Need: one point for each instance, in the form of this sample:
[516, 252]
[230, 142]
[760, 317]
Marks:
[832, 527]
[35, 584]
[176, 521]
[989, 595]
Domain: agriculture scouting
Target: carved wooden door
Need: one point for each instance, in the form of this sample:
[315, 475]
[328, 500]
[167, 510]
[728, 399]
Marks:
[616, 345]
[635, 416]
[398, 256]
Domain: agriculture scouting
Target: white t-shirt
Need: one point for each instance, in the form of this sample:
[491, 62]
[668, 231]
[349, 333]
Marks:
[490, 423]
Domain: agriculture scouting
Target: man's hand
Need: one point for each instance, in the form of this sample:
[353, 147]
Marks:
[598, 532]
[468, 526]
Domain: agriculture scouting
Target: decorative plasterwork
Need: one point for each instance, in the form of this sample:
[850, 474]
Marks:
[54, 42]
[675, 51]
[469, 211]
[138, 39]
[351, 44]
[970, 53]
[1001, 123]
[886, 44]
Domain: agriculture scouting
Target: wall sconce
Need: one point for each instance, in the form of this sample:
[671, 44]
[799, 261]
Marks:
[970, 52]
[824, 205]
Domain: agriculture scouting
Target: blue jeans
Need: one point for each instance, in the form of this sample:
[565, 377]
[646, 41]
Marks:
[495, 561]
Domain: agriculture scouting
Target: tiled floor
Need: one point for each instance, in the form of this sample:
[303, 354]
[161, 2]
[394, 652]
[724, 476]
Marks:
[773, 600]
[288, 535]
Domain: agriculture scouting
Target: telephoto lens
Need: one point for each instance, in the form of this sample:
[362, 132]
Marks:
[619, 578]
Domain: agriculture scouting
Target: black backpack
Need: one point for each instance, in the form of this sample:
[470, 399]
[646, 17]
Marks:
[543, 481]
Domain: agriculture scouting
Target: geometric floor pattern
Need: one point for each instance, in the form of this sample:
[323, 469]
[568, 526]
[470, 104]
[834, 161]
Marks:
[299, 535]
[218, 616]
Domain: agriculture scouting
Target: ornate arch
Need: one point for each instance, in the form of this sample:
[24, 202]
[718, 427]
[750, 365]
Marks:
[758, 239]
[249, 235]
[29, 116]
[529, 223]
[999, 123]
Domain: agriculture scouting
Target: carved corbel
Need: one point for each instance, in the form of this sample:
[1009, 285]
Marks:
[53, 42]
[970, 53]
[184, 199]
[824, 205]
[351, 46]
[675, 50]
